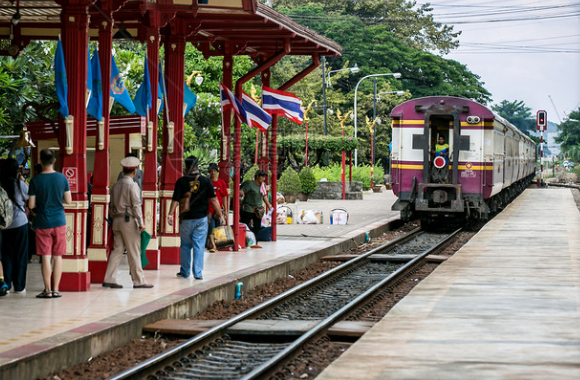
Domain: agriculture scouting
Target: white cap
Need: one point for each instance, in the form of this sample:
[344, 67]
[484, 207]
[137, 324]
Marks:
[130, 162]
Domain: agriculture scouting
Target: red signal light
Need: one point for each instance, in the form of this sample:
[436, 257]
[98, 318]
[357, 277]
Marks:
[541, 121]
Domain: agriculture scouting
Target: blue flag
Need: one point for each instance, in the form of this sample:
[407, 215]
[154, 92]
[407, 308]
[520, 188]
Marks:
[118, 90]
[89, 74]
[160, 96]
[160, 87]
[60, 80]
[143, 96]
[95, 107]
[189, 99]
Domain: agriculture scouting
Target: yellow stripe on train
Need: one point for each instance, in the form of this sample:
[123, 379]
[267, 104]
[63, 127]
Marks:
[460, 167]
[422, 122]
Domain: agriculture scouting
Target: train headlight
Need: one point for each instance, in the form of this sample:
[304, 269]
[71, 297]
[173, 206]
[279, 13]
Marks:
[473, 119]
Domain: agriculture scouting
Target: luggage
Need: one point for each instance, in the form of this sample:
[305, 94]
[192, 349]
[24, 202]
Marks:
[284, 215]
[224, 237]
[309, 217]
[338, 216]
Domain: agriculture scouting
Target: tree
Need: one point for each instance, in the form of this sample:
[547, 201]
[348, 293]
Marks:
[518, 114]
[569, 135]
[413, 25]
[27, 79]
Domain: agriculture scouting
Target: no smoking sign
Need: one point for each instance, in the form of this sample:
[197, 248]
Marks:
[71, 175]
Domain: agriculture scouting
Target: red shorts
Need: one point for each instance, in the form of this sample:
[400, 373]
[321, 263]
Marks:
[51, 241]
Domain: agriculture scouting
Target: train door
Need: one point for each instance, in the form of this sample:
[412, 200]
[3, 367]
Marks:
[440, 148]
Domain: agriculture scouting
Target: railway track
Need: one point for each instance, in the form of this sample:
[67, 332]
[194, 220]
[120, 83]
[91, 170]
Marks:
[221, 353]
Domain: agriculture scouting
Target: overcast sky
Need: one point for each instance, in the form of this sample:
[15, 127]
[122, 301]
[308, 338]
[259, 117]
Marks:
[522, 49]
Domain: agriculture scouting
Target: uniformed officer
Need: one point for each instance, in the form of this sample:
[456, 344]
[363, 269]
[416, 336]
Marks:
[128, 224]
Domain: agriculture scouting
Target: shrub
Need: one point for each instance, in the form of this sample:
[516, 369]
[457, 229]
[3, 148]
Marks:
[308, 183]
[289, 182]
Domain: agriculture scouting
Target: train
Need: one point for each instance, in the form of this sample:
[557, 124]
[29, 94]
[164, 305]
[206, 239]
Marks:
[489, 160]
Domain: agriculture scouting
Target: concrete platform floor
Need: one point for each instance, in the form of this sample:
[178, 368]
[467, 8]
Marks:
[31, 326]
[505, 306]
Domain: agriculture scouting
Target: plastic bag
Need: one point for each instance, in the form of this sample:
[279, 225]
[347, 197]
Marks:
[310, 217]
[250, 239]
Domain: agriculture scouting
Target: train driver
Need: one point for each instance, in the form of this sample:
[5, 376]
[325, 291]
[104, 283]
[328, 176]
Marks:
[440, 173]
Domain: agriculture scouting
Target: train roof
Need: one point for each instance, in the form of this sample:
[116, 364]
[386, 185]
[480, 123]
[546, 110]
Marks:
[414, 109]
[409, 108]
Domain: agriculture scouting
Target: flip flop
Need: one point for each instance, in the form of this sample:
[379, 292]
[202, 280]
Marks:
[56, 294]
[45, 294]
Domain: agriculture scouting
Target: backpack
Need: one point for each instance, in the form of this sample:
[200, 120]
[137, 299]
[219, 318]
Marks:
[6, 209]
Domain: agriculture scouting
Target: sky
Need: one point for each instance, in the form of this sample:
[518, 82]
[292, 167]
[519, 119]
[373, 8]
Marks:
[522, 49]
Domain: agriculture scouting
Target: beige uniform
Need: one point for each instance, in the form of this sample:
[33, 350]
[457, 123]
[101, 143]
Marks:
[125, 197]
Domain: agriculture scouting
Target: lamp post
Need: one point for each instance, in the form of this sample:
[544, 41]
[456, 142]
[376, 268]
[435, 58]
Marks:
[396, 75]
[326, 82]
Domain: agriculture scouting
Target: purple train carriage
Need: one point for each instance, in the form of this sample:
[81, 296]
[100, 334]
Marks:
[490, 161]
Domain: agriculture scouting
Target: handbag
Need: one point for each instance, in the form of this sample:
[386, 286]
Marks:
[224, 236]
[259, 211]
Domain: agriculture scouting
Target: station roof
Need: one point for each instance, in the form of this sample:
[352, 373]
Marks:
[250, 28]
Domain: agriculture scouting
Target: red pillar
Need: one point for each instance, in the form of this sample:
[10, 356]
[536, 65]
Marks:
[98, 249]
[225, 146]
[274, 166]
[172, 159]
[150, 189]
[75, 25]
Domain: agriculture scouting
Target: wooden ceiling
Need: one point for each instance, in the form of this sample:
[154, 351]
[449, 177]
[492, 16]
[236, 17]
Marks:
[244, 26]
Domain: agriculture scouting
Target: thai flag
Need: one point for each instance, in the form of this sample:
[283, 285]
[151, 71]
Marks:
[277, 102]
[229, 100]
[256, 115]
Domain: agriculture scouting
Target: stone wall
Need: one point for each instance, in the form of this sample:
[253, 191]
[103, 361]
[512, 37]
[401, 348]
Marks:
[333, 190]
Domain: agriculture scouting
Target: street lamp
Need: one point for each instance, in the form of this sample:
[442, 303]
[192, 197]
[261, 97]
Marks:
[378, 99]
[354, 69]
[396, 75]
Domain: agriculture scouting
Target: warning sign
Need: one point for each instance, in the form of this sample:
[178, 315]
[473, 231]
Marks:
[71, 175]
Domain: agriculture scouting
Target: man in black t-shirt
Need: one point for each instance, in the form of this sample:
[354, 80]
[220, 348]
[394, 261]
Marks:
[193, 227]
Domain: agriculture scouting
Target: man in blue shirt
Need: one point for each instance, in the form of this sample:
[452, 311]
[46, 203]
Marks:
[48, 191]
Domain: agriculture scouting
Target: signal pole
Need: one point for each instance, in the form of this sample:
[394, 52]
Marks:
[541, 123]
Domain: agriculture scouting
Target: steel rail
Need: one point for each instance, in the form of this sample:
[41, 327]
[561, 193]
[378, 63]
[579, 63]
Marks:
[320, 328]
[169, 357]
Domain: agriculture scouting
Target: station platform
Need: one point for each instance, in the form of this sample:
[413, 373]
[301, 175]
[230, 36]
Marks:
[40, 336]
[505, 306]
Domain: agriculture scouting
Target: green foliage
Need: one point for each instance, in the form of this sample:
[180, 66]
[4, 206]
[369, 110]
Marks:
[27, 79]
[569, 135]
[414, 25]
[518, 114]
[204, 158]
[249, 175]
[362, 173]
[308, 183]
[325, 143]
[380, 36]
[289, 182]
[378, 175]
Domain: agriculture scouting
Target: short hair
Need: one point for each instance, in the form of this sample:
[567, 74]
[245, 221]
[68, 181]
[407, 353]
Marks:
[191, 163]
[46, 157]
[260, 173]
[128, 170]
